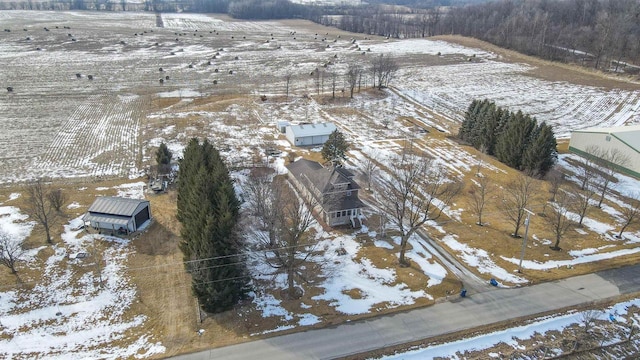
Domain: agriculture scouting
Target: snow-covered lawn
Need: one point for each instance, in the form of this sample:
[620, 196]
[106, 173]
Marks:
[64, 311]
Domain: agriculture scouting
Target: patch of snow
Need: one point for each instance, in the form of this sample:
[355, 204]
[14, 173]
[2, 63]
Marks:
[73, 205]
[132, 190]
[479, 259]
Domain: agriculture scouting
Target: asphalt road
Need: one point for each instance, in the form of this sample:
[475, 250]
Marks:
[457, 314]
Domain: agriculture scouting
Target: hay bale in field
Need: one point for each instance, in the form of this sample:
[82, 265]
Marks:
[122, 42]
[166, 77]
[90, 77]
[9, 89]
[161, 81]
[69, 35]
[73, 39]
[215, 82]
[215, 70]
[161, 69]
[78, 75]
[237, 58]
[190, 66]
[230, 72]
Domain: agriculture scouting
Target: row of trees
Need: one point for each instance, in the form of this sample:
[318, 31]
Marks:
[514, 138]
[208, 210]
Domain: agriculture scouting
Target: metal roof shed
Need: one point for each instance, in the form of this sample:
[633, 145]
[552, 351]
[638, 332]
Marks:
[309, 134]
[117, 214]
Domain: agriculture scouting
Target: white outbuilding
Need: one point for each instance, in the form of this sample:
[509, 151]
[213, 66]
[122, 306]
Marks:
[309, 134]
[117, 215]
[623, 139]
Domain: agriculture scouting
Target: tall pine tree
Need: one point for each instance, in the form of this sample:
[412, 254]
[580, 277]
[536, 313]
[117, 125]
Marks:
[514, 140]
[208, 210]
[541, 154]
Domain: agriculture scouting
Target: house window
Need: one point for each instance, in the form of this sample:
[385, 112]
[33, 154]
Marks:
[348, 212]
[344, 213]
[338, 214]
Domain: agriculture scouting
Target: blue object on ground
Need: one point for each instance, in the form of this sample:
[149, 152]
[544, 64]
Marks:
[463, 293]
[493, 282]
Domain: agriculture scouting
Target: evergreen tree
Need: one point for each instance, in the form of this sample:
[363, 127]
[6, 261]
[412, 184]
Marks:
[541, 154]
[163, 155]
[335, 148]
[514, 139]
[469, 119]
[208, 210]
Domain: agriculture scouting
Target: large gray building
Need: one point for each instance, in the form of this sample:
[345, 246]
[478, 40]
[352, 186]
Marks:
[117, 214]
[309, 134]
[624, 139]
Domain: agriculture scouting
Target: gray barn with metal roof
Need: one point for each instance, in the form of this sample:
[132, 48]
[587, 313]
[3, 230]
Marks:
[117, 214]
[309, 134]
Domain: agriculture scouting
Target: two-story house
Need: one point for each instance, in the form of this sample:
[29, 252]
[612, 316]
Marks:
[332, 187]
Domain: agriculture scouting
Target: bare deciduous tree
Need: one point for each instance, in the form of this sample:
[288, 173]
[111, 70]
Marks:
[39, 207]
[556, 178]
[11, 252]
[630, 214]
[57, 198]
[609, 161]
[287, 79]
[581, 200]
[289, 246]
[369, 169]
[415, 191]
[353, 75]
[383, 68]
[334, 82]
[478, 196]
[559, 219]
[264, 198]
[586, 171]
[517, 197]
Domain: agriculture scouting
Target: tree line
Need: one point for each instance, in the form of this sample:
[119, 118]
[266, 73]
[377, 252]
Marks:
[599, 33]
[514, 138]
[208, 210]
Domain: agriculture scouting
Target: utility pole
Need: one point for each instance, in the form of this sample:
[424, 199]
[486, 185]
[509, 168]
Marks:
[524, 240]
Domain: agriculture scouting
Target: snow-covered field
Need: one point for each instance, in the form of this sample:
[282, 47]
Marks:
[60, 125]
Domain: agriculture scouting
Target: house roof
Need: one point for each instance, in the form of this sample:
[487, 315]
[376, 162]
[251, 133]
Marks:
[112, 205]
[630, 135]
[312, 129]
[313, 174]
